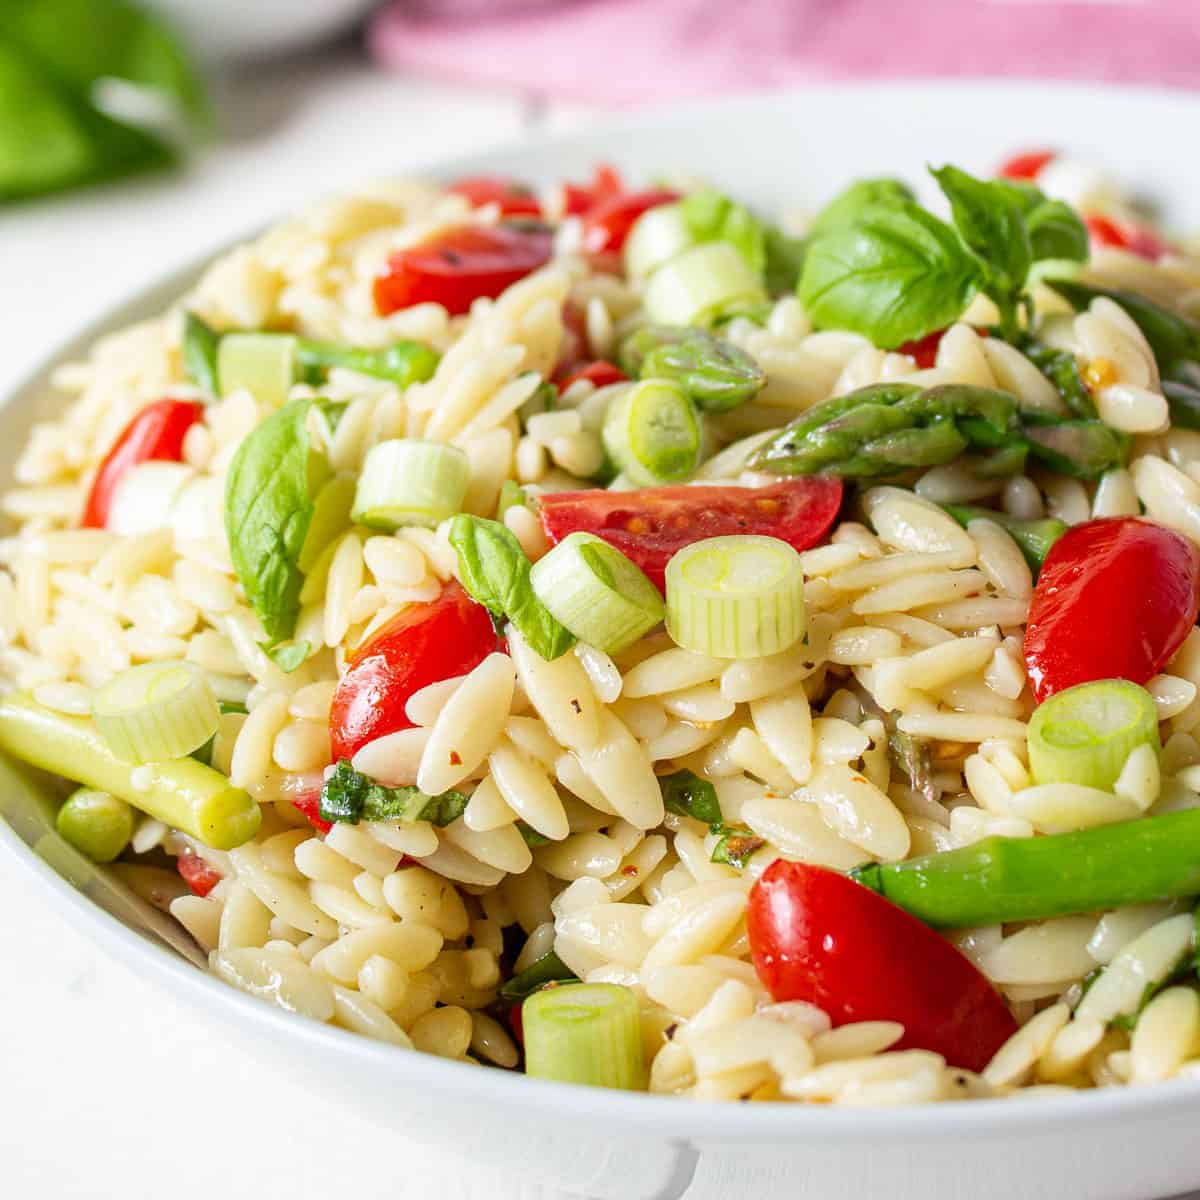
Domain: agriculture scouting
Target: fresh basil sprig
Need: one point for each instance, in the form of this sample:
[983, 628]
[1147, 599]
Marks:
[350, 796]
[495, 571]
[687, 795]
[847, 206]
[269, 508]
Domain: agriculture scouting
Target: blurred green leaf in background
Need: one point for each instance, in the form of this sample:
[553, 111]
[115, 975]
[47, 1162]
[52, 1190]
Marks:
[90, 90]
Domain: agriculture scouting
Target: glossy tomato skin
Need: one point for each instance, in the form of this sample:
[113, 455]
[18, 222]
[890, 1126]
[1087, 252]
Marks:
[514, 199]
[598, 374]
[420, 645]
[1115, 599]
[924, 350]
[155, 433]
[650, 524]
[1026, 165]
[459, 265]
[818, 936]
[197, 874]
[579, 198]
[607, 224]
[309, 804]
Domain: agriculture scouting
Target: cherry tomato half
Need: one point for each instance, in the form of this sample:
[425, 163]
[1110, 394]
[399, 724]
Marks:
[459, 265]
[1135, 239]
[599, 374]
[514, 199]
[1115, 599]
[578, 198]
[607, 225]
[420, 645]
[197, 874]
[156, 433]
[649, 525]
[924, 350]
[818, 936]
[1026, 165]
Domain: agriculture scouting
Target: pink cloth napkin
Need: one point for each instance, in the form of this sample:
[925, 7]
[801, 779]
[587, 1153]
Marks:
[625, 52]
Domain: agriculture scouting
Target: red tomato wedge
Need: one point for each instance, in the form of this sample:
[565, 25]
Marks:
[607, 225]
[818, 936]
[924, 350]
[197, 874]
[1135, 239]
[420, 645]
[1026, 165]
[514, 199]
[599, 374]
[649, 525]
[1115, 599]
[578, 198]
[309, 803]
[156, 433]
[459, 265]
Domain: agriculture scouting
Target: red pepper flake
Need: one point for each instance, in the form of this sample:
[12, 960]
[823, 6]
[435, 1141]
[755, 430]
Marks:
[629, 871]
[455, 758]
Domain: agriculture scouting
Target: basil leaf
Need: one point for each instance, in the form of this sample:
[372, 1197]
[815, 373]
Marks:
[712, 217]
[231, 706]
[531, 836]
[1056, 231]
[687, 795]
[200, 343]
[785, 261]
[547, 969]
[287, 656]
[350, 796]
[848, 205]
[991, 221]
[332, 412]
[895, 275]
[494, 570]
[736, 845]
[1172, 338]
[268, 511]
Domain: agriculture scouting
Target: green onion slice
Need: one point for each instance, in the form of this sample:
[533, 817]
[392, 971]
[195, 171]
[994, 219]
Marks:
[596, 592]
[585, 1033]
[156, 712]
[736, 597]
[652, 432]
[657, 236]
[702, 284]
[1085, 734]
[98, 824]
[262, 363]
[410, 482]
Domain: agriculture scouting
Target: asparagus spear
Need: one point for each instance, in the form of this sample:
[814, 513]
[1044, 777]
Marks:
[1029, 879]
[96, 824]
[1085, 449]
[1033, 537]
[182, 793]
[1183, 400]
[714, 373]
[402, 362]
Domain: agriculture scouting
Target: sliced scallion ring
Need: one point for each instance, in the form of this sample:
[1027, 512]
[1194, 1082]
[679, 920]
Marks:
[156, 712]
[701, 284]
[410, 482]
[657, 236]
[652, 433]
[585, 1033]
[1085, 734]
[736, 597]
[262, 363]
[596, 592]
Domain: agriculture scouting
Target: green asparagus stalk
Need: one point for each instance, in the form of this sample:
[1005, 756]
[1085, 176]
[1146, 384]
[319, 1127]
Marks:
[1061, 367]
[1173, 338]
[890, 427]
[1033, 537]
[714, 373]
[1084, 449]
[182, 793]
[1029, 879]
[96, 824]
[1183, 400]
[402, 362]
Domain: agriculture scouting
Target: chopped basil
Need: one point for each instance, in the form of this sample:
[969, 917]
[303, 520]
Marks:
[268, 510]
[687, 795]
[531, 835]
[287, 656]
[332, 412]
[200, 353]
[350, 796]
[495, 571]
[735, 845]
[547, 969]
[231, 706]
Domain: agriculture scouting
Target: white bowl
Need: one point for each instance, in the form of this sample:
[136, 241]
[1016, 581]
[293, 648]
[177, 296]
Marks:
[221, 30]
[1126, 1144]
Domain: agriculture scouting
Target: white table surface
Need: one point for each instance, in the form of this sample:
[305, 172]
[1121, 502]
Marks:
[109, 1089]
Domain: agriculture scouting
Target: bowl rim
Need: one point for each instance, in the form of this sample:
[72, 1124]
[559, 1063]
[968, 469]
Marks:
[659, 1116]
